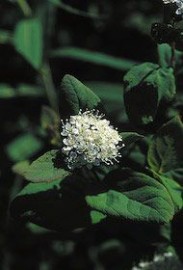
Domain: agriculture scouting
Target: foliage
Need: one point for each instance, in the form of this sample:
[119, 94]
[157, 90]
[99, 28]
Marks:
[90, 216]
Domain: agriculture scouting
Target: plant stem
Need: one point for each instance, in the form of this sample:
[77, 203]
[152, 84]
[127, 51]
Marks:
[49, 87]
[76, 11]
[25, 8]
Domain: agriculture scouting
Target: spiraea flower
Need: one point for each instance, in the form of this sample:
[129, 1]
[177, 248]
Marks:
[89, 140]
[179, 4]
[164, 261]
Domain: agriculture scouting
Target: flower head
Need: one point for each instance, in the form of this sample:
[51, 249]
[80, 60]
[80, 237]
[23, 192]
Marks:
[89, 139]
[179, 4]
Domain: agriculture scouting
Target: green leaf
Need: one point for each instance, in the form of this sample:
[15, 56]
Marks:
[21, 167]
[58, 205]
[26, 90]
[24, 147]
[147, 82]
[6, 91]
[165, 152]
[93, 58]
[130, 137]
[135, 196]
[28, 41]
[165, 55]
[96, 217]
[36, 229]
[46, 168]
[75, 96]
[22, 90]
[175, 191]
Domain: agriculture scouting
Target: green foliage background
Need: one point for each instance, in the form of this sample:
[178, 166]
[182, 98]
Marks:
[112, 217]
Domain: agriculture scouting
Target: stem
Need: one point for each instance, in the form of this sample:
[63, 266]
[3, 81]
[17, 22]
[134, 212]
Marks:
[25, 8]
[49, 87]
[76, 11]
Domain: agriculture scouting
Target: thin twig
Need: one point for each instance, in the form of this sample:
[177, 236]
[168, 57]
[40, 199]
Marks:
[76, 11]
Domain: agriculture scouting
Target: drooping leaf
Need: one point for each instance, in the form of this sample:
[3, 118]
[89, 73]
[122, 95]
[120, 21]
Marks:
[46, 168]
[24, 147]
[94, 58]
[135, 196]
[75, 96]
[28, 41]
[165, 152]
[145, 86]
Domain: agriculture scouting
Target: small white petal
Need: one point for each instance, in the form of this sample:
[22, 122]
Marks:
[90, 140]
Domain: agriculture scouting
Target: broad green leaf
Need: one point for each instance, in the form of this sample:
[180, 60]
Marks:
[58, 205]
[135, 196]
[130, 137]
[23, 147]
[28, 41]
[75, 96]
[94, 58]
[175, 191]
[46, 168]
[21, 90]
[145, 86]
[165, 153]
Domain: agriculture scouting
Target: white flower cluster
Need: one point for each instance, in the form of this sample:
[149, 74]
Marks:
[164, 261]
[179, 4]
[90, 140]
